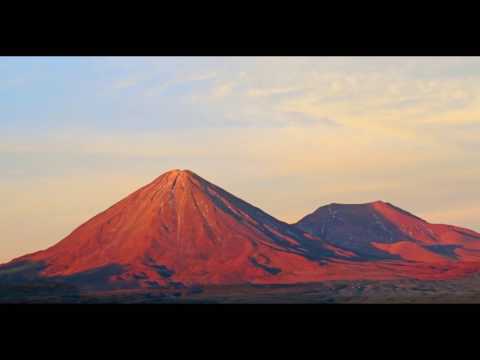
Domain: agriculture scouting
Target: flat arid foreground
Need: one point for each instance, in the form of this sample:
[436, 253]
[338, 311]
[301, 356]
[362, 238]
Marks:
[460, 291]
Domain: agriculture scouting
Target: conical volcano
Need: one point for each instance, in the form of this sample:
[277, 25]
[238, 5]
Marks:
[181, 228]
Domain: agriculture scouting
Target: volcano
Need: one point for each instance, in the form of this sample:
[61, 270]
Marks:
[382, 231]
[181, 230]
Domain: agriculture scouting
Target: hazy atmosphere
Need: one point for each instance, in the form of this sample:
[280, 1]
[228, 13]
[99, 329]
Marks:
[285, 134]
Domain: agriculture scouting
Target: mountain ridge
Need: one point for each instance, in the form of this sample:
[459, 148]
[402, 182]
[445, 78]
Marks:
[367, 227]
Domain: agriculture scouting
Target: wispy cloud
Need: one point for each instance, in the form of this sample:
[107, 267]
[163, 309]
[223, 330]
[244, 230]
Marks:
[288, 134]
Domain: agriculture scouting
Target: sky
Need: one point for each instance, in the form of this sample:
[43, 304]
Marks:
[287, 134]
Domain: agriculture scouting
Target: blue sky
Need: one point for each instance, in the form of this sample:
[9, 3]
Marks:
[286, 134]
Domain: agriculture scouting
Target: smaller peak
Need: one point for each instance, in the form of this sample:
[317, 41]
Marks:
[377, 203]
[337, 204]
[384, 207]
[383, 204]
[332, 205]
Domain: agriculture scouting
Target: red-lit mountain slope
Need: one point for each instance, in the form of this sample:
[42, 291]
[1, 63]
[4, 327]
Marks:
[181, 228]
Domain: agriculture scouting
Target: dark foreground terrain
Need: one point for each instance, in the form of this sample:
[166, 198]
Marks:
[400, 291]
